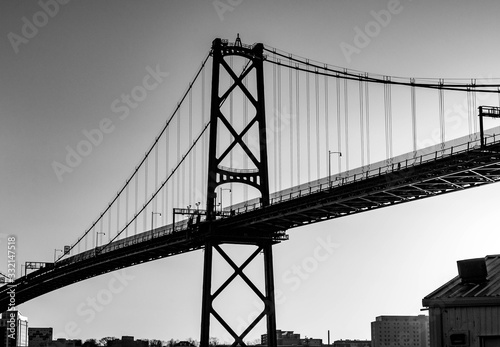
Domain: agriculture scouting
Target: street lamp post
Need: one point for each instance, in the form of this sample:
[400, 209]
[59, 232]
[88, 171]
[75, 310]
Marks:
[55, 251]
[222, 189]
[97, 237]
[152, 214]
[330, 166]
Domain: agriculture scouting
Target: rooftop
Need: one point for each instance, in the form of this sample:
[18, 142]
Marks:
[460, 292]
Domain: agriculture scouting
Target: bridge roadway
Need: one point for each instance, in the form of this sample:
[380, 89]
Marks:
[453, 166]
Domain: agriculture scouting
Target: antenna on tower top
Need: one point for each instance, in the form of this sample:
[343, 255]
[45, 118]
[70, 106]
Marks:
[238, 40]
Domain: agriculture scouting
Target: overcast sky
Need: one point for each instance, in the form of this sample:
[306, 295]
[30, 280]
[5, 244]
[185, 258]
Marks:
[61, 68]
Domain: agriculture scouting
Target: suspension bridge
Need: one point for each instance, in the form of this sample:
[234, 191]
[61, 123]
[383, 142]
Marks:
[263, 141]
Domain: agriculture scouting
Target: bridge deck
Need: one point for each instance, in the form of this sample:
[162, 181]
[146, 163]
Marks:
[453, 166]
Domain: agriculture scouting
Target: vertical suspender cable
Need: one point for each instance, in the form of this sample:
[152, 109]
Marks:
[275, 138]
[177, 196]
[231, 109]
[346, 129]
[109, 223]
[327, 134]
[145, 192]
[126, 209]
[277, 129]
[117, 215]
[136, 201]
[469, 109]
[204, 153]
[165, 205]
[156, 176]
[361, 121]
[163, 210]
[474, 104]
[441, 110]
[316, 92]
[413, 114]
[308, 137]
[388, 116]
[245, 121]
[367, 113]
[297, 110]
[290, 120]
[102, 230]
[339, 130]
[192, 158]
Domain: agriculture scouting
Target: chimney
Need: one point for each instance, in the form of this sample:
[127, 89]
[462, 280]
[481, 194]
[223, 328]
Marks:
[472, 270]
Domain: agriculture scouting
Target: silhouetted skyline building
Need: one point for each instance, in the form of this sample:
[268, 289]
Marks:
[400, 331]
[39, 337]
[289, 338]
[127, 341]
[352, 343]
[13, 329]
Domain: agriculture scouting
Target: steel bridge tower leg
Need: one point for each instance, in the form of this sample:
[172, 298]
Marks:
[270, 304]
[257, 178]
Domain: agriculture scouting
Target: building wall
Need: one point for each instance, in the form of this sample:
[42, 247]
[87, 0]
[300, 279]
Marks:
[39, 337]
[400, 331]
[352, 343]
[477, 322]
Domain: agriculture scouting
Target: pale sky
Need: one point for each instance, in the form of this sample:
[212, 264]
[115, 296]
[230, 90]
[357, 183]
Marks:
[61, 78]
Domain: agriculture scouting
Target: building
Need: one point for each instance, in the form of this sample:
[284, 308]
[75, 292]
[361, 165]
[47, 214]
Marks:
[65, 343]
[39, 337]
[352, 343]
[127, 341]
[465, 311]
[401, 331]
[184, 344]
[13, 329]
[289, 338]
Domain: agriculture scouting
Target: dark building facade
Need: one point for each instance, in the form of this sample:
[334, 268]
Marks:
[13, 329]
[352, 343]
[39, 337]
[289, 338]
[465, 312]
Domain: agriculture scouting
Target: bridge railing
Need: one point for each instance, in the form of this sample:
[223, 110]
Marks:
[395, 164]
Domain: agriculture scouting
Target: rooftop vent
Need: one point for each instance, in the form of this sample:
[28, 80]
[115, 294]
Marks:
[472, 270]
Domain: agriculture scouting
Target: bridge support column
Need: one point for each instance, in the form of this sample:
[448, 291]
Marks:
[248, 81]
[270, 304]
[206, 305]
[268, 298]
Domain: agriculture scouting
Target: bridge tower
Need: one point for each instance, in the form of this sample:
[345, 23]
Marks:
[257, 178]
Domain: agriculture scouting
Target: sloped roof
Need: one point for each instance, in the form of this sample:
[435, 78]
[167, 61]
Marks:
[455, 293]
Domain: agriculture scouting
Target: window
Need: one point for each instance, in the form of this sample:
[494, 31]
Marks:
[490, 341]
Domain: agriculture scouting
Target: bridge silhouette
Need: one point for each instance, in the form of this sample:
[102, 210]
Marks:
[230, 167]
